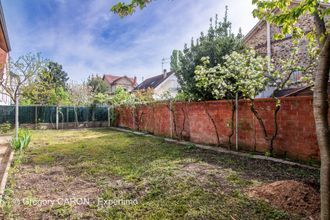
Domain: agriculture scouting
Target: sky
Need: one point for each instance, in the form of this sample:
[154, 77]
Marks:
[87, 38]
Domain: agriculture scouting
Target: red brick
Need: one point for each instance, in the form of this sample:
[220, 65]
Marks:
[296, 135]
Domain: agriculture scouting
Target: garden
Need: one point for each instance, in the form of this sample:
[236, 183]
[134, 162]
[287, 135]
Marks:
[108, 174]
[276, 161]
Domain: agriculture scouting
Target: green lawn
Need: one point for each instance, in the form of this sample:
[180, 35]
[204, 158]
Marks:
[165, 181]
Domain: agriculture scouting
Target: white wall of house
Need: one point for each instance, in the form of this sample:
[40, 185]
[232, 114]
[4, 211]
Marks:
[124, 83]
[4, 99]
[267, 93]
[170, 85]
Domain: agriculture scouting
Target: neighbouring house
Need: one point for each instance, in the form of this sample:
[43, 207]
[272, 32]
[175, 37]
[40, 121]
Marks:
[120, 81]
[165, 84]
[261, 38]
[4, 56]
[304, 91]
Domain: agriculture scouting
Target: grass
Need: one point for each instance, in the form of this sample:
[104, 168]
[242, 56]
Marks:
[165, 180]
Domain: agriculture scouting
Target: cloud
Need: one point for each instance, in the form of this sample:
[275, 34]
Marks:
[86, 38]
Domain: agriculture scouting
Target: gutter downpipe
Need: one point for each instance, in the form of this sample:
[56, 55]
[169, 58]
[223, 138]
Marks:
[269, 55]
[269, 44]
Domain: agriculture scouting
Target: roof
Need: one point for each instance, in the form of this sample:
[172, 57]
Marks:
[4, 31]
[111, 79]
[253, 30]
[286, 92]
[302, 91]
[153, 82]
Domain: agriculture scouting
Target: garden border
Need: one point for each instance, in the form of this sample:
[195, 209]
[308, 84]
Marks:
[218, 149]
[5, 173]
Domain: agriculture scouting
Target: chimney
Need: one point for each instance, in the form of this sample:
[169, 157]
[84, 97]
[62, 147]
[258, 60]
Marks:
[134, 81]
[165, 73]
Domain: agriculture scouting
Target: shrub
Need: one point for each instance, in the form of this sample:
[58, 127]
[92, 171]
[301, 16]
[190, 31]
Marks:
[5, 127]
[24, 138]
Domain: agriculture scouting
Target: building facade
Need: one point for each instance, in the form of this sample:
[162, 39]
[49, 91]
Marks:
[4, 58]
[163, 85]
[119, 81]
[262, 39]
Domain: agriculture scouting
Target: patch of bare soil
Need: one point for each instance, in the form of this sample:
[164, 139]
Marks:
[292, 196]
[202, 171]
[37, 185]
[74, 196]
[207, 176]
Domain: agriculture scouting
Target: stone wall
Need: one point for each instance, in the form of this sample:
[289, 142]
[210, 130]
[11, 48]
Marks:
[280, 49]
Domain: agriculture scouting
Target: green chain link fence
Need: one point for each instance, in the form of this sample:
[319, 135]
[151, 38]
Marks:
[47, 114]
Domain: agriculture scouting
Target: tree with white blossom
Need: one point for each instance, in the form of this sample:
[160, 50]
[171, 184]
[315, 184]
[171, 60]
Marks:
[248, 74]
[241, 74]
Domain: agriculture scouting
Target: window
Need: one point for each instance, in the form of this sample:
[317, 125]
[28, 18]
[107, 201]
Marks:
[296, 76]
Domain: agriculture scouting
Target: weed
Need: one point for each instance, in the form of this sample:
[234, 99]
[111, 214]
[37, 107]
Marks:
[190, 146]
[235, 179]
[61, 211]
[5, 128]
[23, 140]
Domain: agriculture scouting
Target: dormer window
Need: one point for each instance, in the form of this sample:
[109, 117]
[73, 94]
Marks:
[296, 76]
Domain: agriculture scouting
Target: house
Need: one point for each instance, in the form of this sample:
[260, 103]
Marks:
[261, 38]
[119, 81]
[4, 56]
[304, 91]
[163, 84]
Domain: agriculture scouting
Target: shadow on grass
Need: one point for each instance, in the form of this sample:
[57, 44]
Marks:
[130, 153]
[171, 181]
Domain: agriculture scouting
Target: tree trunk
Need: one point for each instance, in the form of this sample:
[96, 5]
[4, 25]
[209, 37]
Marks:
[76, 116]
[320, 109]
[170, 107]
[273, 137]
[16, 116]
[183, 123]
[269, 138]
[233, 110]
[214, 124]
[109, 117]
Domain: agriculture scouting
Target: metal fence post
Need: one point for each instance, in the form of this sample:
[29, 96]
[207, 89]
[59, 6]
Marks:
[67, 115]
[16, 116]
[36, 116]
[109, 117]
[57, 118]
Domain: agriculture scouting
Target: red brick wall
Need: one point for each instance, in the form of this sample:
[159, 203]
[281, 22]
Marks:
[296, 137]
[3, 61]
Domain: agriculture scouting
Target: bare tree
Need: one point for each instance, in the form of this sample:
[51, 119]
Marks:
[18, 73]
[80, 95]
